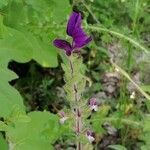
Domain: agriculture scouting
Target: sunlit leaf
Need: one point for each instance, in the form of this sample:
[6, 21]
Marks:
[39, 133]
[9, 97]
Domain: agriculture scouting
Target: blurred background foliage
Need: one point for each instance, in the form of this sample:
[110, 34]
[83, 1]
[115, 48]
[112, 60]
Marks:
[121, 33]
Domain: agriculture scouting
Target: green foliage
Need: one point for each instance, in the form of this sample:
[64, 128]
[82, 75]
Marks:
[98, 118]
[37, 134]
[3, 143]
[18, 39]
[26, 33]
[117, 147]
[9, 97]
[23, 49]
[3, 126]
[146, 133]
[27, 29]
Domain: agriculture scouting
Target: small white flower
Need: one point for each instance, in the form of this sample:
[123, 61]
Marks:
[116, 69]
[94, 107]
[132, 96]
[90, 137]
[62, 120]
[63, 117]
[93, 104]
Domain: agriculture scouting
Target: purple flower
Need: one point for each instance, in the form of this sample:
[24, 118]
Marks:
[90, 136]
[93, 104]
[63, 117]
[79, 37]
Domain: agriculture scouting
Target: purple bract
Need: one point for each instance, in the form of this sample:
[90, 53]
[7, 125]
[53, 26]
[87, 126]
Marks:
[80, 39]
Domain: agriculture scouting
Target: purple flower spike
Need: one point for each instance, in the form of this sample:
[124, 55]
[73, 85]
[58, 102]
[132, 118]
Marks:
[93, 104]
[80, 39]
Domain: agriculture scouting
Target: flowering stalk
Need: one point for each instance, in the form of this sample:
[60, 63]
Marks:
[74, 87]
[74, 76]
[78, 114]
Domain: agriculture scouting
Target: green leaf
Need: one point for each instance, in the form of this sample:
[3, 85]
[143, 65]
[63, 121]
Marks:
[3, 126]
[99, 117]
[39, 133]
[2, 27]
[17, 14]
[117, 147]
[63, 8]
[23, 46]
[18, 115]
[3, 3]
[45, 10]
[3, 143]
[9, 97]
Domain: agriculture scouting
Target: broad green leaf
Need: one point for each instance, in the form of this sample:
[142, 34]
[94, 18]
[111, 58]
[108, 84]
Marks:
[63, 9]
[9, 97]
[3, 3]
[47, 9]
[117, 147]
[23, 46]
[18, 115]
[3, 143]
[39, 133]
[17, 14]
[2, 27]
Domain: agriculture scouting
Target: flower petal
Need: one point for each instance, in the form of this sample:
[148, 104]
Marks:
[62, 44]
[80, 38]
[81, 41]
[74, 22]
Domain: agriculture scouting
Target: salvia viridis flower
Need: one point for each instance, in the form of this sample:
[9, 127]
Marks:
[63, 117]
[93, 104]
[90, 136]
[79, 37]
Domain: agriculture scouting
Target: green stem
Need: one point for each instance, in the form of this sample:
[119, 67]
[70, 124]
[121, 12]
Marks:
[134, 26]
[129, 59]
[91, 13]
[78, 119]
[120, 35]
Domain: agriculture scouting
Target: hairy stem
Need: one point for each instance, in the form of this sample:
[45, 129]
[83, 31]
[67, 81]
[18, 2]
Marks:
[78, 119]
